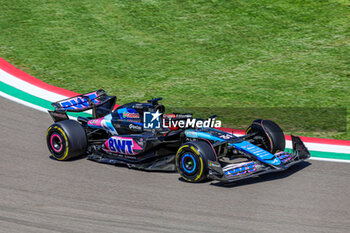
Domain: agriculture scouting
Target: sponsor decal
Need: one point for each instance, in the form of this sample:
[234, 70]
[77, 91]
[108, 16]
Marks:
[226, 136]
[276, 161]
[190, 133]
[122, 145]
[61, 115]
[239, 169]
[135, 127]
[97, 122]
[130, 115]
[79, 102]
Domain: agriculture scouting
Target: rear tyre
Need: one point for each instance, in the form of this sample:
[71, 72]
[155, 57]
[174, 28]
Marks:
[268, 135]
[66, 140]
[192, 160]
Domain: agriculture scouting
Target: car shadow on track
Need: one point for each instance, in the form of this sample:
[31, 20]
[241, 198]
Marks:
[70, 160]
[265, 177]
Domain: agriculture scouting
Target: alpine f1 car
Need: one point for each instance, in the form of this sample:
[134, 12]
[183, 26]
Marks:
[119, 137]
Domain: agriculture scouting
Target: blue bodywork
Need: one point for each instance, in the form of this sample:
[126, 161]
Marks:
[244, 146]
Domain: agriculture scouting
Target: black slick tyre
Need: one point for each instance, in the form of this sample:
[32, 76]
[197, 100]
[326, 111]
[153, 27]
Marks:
[192, 160]
[269, 134]
[66, 140]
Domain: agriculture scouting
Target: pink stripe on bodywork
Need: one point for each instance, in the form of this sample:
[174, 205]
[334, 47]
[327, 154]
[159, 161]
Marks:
[96, 122]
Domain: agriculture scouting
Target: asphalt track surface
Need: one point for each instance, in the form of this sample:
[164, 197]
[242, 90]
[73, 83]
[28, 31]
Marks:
[38, 194]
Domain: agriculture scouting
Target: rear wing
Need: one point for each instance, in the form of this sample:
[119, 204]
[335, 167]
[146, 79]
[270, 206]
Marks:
[100, 103]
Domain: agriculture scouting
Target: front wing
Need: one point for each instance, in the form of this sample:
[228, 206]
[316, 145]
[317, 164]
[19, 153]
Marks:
[243, 170]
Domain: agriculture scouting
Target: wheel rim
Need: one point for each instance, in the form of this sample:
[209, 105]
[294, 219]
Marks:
[261, 139]
[56, 142]
[188, 163]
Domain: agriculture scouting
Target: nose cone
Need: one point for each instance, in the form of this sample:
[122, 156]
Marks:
[260, 154]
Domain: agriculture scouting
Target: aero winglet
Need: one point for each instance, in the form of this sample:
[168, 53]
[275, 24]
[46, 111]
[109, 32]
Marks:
[299, 149]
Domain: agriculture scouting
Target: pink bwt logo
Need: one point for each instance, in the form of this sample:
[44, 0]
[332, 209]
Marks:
[122, 145]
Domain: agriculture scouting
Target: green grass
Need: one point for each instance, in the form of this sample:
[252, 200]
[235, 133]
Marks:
[230, 54]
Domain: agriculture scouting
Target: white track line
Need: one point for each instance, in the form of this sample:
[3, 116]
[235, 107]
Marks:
[331, 160]
[22, 102]
[323, 147]
[29, 88]
[28, 104]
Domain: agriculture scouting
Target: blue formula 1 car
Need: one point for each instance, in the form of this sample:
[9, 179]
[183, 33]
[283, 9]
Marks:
[119, 137]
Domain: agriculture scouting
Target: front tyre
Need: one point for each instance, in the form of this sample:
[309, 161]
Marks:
[192, 160]
[66, 140]
[267, 135]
